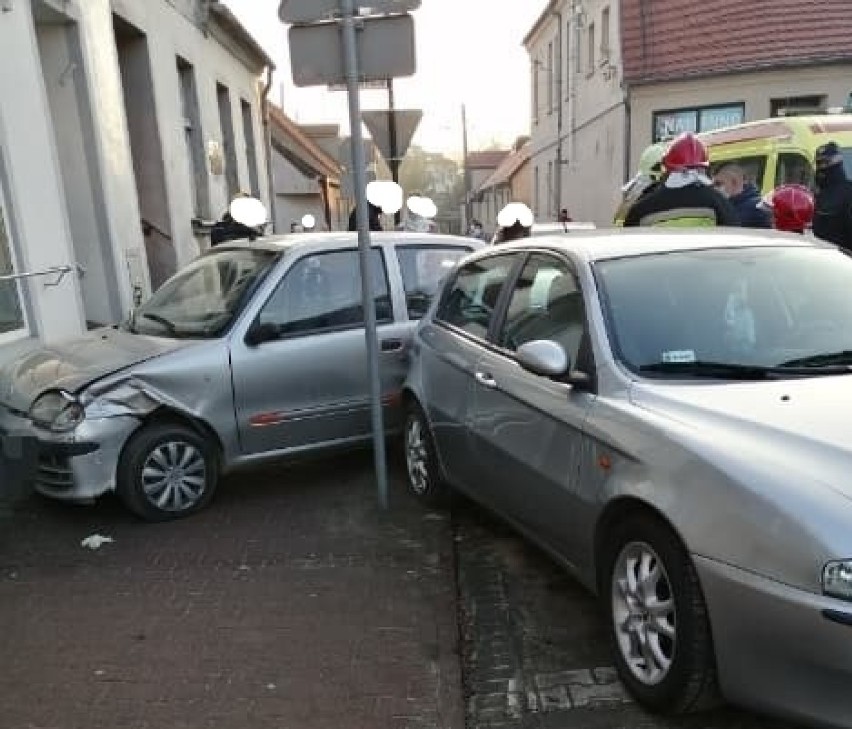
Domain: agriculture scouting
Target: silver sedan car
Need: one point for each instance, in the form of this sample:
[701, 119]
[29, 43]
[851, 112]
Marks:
[668, 414]
[253, 352]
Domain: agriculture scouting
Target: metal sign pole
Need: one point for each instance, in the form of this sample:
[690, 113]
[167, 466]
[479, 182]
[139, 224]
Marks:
[394, 160]
[350, 60]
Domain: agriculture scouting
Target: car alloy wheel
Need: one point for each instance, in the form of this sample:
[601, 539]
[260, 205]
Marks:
[416, 456]
[167, 470]
[174, 476]
[425, 478]
[659, 624]
[644, 612]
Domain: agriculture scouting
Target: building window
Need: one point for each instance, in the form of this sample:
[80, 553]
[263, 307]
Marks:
[567, 59]
[550, 187]
[535, 190]
[193, 138]
[535, 67]
[12, 320]
[251, 150]
[591, 60]
[550, 77]
[798, 105]
[226, 120]
[668, 124]
[605, 33]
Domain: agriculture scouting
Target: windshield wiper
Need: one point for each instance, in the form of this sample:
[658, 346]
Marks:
[168, 324]
[841, 360]
[735, 371]
[725, 370]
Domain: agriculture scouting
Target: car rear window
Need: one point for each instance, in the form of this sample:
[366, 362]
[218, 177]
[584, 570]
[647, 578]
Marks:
[423, 271]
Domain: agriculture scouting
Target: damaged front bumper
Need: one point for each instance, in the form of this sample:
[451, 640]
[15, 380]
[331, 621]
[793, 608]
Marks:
[76, 466]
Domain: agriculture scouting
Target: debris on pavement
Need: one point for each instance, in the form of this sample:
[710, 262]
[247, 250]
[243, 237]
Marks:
[94, 541]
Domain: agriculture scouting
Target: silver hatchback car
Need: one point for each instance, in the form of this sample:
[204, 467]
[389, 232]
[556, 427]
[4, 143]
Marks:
[252, 352]
[668, 414]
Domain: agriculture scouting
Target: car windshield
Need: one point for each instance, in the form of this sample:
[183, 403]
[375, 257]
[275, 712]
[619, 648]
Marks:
[202, 300]
[730, 312]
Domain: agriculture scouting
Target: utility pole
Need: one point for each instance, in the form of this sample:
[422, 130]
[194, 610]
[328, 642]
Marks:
[394, 161]
[559, 106]
[467, 202]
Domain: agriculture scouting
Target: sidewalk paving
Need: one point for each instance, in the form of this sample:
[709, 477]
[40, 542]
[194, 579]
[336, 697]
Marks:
[291, 603]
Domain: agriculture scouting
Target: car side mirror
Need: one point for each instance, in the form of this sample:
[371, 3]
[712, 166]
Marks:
[261, 332]
[549, 359]
[544, 357]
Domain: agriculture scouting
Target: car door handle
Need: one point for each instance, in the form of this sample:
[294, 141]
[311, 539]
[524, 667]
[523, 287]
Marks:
[392, 345]
[486, 380]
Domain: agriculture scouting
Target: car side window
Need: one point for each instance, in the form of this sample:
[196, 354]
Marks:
[794, 168]
[546, 303]
[470, 302]
[753, 167]
[322, 292]
[423, 270]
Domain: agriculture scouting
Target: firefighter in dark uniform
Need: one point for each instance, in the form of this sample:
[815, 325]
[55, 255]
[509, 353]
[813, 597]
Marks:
[686, 198]
[833, 214]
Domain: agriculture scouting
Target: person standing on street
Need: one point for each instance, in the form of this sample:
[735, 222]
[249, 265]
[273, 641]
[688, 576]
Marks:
[686, 197]
[730, 180]
[374, 217]
[833, 214]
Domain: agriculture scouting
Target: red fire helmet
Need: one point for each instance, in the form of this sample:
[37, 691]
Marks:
[792, 206]
[685, 152]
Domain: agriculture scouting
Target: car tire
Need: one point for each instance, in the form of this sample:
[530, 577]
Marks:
[167, 471]
[423, 472]
[658, 621]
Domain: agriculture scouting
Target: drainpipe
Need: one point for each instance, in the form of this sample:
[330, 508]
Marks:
[575, 24]
[267, 142]
[628, 173]
[325, 191]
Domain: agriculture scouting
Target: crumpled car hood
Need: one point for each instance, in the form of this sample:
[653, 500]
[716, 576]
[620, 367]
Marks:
[799, 423]
[74, 364]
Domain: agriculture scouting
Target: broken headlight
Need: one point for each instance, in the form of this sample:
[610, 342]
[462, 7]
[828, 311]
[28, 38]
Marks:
[57, 410]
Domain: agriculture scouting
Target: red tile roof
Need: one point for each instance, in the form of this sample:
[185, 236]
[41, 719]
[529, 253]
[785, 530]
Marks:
[508, 167]
[673, 39]
[291, 136]
[486, 160]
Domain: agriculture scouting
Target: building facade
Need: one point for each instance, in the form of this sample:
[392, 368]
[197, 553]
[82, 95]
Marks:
[478, 167]
[510, 182]
[306, 179]
[611, 77]
[122, 124]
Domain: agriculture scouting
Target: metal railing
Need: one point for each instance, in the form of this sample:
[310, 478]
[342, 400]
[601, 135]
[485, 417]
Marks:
[60, 272]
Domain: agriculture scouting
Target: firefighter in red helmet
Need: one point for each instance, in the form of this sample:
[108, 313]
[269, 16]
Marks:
[686, 197]
[792, 208]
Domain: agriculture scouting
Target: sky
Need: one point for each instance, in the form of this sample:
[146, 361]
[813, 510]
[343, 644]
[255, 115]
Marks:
[468, 52]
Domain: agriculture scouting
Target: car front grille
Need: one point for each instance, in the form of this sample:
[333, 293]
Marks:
[54, 472]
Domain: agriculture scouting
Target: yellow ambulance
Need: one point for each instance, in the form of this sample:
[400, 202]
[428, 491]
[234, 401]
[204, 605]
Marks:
[779, 151]
[776, 151]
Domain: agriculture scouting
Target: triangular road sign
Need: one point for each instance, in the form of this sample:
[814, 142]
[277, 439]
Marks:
[377, 122]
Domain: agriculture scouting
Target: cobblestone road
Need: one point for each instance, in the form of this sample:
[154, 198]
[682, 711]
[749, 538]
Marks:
[293, 604]
[535, 647]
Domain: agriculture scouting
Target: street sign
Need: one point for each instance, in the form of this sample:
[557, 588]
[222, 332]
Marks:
[386, 45]
[364, 86]
[378, 124]
[314, 11]
[344, 156]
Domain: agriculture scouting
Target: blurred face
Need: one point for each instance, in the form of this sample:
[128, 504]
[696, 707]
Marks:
[728, 184]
